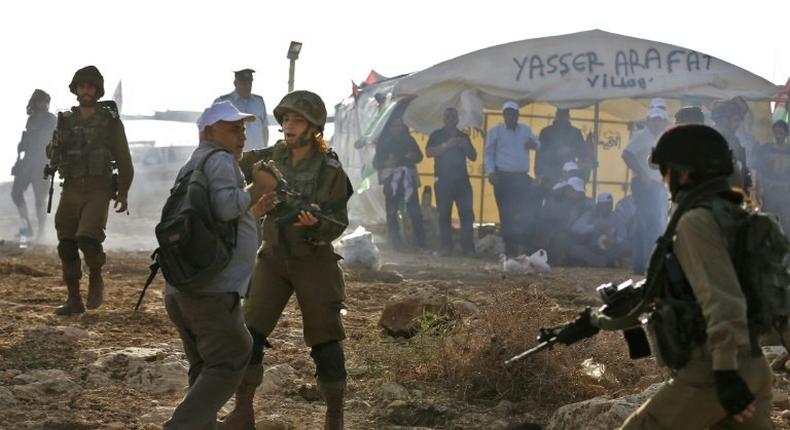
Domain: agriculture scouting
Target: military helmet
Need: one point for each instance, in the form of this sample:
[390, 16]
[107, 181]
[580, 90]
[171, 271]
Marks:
[91, 75]
[695, 147]
[306, 103]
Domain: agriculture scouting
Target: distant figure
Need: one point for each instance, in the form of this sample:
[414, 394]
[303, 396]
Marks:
[91, 143]
[450, 148]
[728, 117]
[30, 161]
[772, 165]
[397, 155]
[650, 194]
[599, 235]
[689, 115]
[507, 165]
[560, 142]
[245, 101]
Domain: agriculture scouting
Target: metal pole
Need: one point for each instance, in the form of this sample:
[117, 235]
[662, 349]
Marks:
[291, 75]
[484, 133]
[596, 139]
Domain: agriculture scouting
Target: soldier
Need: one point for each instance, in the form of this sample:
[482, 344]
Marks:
[30, 162]
[89, 142]
[297, 257]
[245, 101]
[720, 377]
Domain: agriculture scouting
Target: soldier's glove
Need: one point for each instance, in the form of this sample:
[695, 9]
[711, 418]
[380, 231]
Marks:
[732, 391]
[577, 330]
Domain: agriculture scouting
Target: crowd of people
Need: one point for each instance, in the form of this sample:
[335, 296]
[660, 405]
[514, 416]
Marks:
[552, 210]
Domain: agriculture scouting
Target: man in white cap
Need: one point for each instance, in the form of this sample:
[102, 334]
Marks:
[570, 170]
[599, 235]
[209, 319]
[507, 165]
[650, 194]
[564, 205]
[244, 100]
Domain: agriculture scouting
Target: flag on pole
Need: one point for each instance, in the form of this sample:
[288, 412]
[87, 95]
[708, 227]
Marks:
[117, 96]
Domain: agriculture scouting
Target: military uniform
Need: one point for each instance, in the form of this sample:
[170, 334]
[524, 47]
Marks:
[257, 131]
[689, 400]
[28, 170]
[84, 154]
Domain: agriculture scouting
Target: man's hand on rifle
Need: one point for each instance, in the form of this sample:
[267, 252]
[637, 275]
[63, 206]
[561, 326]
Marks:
[306, 218]
[580, 328]
[266, 203]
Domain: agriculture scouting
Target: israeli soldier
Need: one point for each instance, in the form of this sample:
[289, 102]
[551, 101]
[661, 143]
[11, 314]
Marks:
[720, 379]
[297, 257]
[245, 101]
[89, 142]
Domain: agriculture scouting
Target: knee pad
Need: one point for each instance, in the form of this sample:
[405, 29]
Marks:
[68, 250]
[259, 343]
[330, 362]
[92, 250]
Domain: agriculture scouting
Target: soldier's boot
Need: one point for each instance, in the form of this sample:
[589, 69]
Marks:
[94, 259]
[242, 417]
[334, 396]
[72, 273]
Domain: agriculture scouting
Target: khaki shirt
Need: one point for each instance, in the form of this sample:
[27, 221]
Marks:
[701, 250]
[321, 179]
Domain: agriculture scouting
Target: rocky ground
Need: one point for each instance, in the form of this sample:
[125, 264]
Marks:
[119, 369]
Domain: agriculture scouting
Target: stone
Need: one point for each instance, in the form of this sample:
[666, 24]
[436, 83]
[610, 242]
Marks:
[504, 408]
[7, 398]
[273, 422]
[779, 362]
[465, 308]
[309, 392]
[401, 314]
[393, 391]
[780, 399]
[279, 378]
[62, 332]
[420, 413]
[158, 415]
[152, 370]
[599, 413]
[43, 383]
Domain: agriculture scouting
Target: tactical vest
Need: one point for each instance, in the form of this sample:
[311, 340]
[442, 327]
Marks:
[85, 145]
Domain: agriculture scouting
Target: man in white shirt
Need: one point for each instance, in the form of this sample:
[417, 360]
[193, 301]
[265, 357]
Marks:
[650, 194]
[245, 101]
[507, 165]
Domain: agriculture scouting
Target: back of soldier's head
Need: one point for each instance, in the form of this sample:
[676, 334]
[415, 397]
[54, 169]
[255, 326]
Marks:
[697, 148]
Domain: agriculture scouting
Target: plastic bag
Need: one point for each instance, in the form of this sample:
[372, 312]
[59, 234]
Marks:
[358, 249]
[539, 261]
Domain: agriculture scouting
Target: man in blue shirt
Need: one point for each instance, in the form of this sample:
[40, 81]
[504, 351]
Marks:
[507, 165]
[245, 101]
[450, 147]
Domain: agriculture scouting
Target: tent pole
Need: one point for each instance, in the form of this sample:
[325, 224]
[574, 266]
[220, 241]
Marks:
[483, 133]
[596, 139]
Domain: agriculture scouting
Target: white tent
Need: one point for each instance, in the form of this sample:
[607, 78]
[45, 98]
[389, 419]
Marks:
[572, 70]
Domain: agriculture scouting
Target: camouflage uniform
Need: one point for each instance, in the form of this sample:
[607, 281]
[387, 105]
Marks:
[84, 154]
[300, 260]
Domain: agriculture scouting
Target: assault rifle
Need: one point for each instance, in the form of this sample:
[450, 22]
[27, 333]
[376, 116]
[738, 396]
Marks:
[618, 301]
[293, 201]
[54, 161]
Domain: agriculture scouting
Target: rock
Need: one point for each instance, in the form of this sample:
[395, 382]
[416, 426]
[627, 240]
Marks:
[400, 315]
[153, 370]
[415, 413]
[62, 332]
[158, 415]
[786, 414]
[779, 362]
[465, 308]
[309, 392]
[504, 408]
[357, 371]
[393, 391]
[278, 379]
[780, 399]
[356, 404]
[7, 398]
[273, 422]
[42, 384]
[600, 413]
[491, 245]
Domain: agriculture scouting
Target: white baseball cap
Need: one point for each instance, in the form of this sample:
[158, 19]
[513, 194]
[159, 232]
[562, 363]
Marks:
[510, 105]
[657, 113]
[569, 166]
[577, 184]
[605, 197]
[222, 111]
[658, 103]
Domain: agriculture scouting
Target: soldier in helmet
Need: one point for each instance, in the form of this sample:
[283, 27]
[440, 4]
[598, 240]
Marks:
[297, 257]
[720, 378]
[245, 101]
[31, 158]
[89, 142]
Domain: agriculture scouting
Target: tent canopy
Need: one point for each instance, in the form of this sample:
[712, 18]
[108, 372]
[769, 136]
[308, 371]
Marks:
[573, 70]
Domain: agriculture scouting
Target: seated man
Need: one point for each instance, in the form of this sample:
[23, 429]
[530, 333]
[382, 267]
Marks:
[599, 236]
[564, 205]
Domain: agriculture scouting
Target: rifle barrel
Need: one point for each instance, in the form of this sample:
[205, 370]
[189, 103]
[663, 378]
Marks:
[540, 347]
